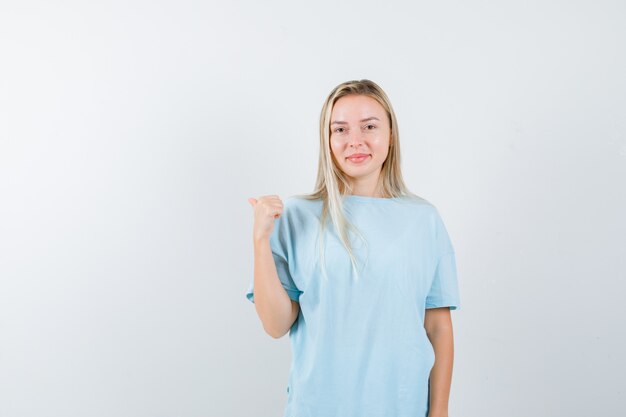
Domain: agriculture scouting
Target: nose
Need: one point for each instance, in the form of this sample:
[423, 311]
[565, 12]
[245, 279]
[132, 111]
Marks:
[355, 139]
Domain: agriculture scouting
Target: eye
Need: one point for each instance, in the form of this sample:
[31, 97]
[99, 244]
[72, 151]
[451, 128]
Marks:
[372, 126]
[338, 130]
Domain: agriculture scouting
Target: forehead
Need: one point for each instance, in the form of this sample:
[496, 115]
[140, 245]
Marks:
[356, 106]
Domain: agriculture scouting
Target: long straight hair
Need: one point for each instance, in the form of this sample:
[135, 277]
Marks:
[332, 184]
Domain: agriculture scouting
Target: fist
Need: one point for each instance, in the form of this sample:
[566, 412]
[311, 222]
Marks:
[266, 209]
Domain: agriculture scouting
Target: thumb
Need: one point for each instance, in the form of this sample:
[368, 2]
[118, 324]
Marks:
[252, 201]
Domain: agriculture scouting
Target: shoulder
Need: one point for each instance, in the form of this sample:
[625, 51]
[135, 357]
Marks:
[420, 206]
[300, 202]
[428, 215]
[298, 210]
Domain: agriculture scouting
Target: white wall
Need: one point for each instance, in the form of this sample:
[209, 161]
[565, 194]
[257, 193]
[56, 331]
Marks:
[133, 132]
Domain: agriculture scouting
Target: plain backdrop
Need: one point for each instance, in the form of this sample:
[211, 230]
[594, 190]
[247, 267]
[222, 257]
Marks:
[132, 134]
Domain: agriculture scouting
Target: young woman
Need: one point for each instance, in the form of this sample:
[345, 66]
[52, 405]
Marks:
[362, 273]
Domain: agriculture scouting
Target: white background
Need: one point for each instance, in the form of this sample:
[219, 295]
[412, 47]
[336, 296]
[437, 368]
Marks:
[133, 132]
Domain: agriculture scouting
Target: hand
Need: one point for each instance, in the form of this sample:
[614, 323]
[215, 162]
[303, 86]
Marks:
[266, 209]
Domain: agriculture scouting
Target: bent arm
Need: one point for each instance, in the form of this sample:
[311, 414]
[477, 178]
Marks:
[274, 307]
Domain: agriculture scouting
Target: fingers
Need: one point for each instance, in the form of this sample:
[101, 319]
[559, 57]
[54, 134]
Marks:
[268, 204]
[267, 208]
[270, 199]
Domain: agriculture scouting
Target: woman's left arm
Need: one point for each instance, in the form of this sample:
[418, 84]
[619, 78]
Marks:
[438, 325]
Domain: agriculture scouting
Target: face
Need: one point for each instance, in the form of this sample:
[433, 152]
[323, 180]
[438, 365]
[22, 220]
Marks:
[360, 127]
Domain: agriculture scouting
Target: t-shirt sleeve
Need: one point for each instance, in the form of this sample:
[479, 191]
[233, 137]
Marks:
[444, 291]
[282, 248]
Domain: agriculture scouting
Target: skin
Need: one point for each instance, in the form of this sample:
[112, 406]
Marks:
[276, 310]
[351, 133]
[438, 325]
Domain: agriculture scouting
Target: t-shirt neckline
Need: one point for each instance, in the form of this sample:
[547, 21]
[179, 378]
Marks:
[364, 198]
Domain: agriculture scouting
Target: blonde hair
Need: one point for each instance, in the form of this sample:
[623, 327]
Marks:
[332, 185]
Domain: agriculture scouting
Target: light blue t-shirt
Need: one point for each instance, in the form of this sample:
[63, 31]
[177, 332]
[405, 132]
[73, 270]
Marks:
[359, 347]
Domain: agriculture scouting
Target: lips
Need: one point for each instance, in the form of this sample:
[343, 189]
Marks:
[357, 157]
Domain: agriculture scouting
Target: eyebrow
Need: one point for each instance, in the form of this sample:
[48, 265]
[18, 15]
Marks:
[339, 122]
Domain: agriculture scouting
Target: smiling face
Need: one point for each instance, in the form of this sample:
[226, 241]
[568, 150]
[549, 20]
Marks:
[359, 126]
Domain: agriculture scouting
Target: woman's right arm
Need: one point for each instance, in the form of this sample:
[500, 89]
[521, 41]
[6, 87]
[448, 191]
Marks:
[275, 309]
